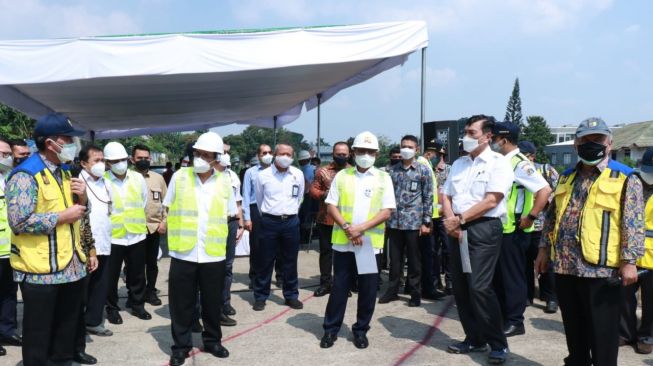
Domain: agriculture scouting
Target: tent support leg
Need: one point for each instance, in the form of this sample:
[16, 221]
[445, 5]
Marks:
[92, 136]
[319, 118]
[422, 100]
[275, 132]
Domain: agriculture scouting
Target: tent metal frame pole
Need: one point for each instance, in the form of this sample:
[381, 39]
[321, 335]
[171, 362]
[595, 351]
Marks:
[319, 120]
[275, 131]
[92, 136]
[422, 114]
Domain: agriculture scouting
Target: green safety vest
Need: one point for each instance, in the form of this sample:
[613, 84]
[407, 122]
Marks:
[346, 185]
[5, 231]
[510, 225]
[183, 215]
[128, 213]
[436, 212]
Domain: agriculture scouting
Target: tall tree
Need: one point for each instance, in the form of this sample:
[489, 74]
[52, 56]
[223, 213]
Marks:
[245, 145]
[538, 132]
[14, 124]
[513, 110]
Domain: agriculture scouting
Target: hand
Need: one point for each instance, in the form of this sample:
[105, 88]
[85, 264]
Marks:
[162, 228]
[357, 241]
[71, 214]
[248, 225]
[525, 222]
[78, 187]
[354, 231]
[451, 224]
[92, 264]
[628, 274]
[424, 230]
[239, 233]
[542, 261]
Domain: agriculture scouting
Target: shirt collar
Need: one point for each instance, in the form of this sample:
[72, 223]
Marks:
[486, 155]
[52, 166]
[512, 153]
[370, 171]
[600, 166]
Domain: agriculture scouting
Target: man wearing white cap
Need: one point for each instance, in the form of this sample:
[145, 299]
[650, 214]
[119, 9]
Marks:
[199, 200]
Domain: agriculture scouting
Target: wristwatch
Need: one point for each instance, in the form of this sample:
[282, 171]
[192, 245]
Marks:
[460, 218]
[531, 217]
[345, 226]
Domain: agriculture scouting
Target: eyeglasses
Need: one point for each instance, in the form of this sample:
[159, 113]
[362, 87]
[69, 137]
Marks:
[5, 154]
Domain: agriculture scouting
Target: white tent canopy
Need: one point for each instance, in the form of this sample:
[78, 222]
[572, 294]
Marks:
[134, 85]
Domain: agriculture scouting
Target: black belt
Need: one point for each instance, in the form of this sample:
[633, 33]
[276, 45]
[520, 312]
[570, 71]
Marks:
[280, 218]
[478, 221]
[232, 218]
[649, 233]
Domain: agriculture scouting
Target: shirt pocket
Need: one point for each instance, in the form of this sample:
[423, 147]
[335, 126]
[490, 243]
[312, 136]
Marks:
[607, 196]
[479, 185]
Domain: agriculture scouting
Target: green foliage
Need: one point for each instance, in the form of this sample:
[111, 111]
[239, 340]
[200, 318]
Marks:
[513, 110]
[538, 132]
[385, 145]
[628, 161]
[245, 145]
[14, 124]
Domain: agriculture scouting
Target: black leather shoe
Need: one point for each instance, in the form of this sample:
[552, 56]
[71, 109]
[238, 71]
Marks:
[114, 317]
[294, 303]
[128, 304]
[228, 310]
[465, 347]
[386, 298]
[177, 359]
[141, 314]
[197, 327]
[349, 294]
[551, 307]
[152, 299]
[2, 351]
[360, 341]
[514, 330]
[14, 340]
[226, 321]
[218, 351]
[321, 291]
[258, 305]
[435, 295]
[414, 302]
[327, 340]
[85, 359]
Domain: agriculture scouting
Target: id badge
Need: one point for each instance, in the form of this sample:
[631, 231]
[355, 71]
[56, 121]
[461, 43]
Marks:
[295, 191]
[156, 195]
[413, 186]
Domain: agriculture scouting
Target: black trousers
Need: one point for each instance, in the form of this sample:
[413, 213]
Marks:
[510, 277]
[405, 243]
[51, 316]
[97, 292]
[344, 271]
[152, 242]
[254, 245]
[185, 280]
[326, 254]
[8, 300]
[546, 280]
[590, 314]
[229, 261]
[80, 334]
[477, 303]
[427, 253]
[628, 325]
[440, 252]
[134, 258]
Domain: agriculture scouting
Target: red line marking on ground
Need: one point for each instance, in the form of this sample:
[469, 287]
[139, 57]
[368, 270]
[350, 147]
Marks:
[429, 334]
[197, 351]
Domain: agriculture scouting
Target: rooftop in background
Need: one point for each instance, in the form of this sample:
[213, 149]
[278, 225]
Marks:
[638, 134]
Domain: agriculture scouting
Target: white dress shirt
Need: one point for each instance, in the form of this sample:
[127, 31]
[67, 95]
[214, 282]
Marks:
[204, 197]
[129, 238]
[235, 184]
[279, 193]
[99, 196]
[366, 184]
[526, 176]
[470, 179]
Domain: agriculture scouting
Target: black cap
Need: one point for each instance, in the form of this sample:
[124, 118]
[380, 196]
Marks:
[646, 165]
[506, 129]
[526, 147]
[55, 124]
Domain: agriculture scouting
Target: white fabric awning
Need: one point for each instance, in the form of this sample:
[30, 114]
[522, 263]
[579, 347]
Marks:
[135, 85]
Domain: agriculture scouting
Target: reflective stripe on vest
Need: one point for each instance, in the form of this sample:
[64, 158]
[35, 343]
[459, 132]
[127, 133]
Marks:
[511, 203]
[346, 185]
[599, 226]
[425, 162]
[5, 231]
[183, 215]
[46, 253]
[647, 260]
[128, 214]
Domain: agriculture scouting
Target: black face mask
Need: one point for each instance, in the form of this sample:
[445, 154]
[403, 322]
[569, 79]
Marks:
[142, 165]
[394, 161]
[591, 151]
[340, 161]
[18, 161]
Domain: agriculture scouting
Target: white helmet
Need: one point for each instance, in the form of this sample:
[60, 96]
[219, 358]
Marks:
[304, 155]
[210, 141]
[115, 151]
[366, 140]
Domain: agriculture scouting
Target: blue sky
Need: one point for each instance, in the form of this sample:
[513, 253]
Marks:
[574, 58]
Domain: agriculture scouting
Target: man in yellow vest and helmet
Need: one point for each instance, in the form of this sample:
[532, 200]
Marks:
[527, 197]
[594, 234]
[641, 338]
[360, 200]
[199, 199]
[129, 195]
[46, 253]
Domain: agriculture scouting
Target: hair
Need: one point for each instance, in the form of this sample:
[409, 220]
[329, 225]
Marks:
[84, 153]
[411, 138]
[395, 150]
[169, 165]
[17, 142]
[276, 148]
[140, 147]
[338, 144]
[260, 147]
[39, 141]
[316, 160]
[6, 141]
[488, 122]
[512, 139]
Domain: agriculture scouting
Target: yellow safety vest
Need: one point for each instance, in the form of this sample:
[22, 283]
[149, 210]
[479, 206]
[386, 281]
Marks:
[183, 215]
[647, 260]
[510, 225]
[599, 226]
[128, 213]
[422, 160]
[5, 231]
[346, 185]
[46, 253]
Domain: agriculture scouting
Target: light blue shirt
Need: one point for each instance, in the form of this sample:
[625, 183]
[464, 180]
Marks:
[249, 189]
[309, 172]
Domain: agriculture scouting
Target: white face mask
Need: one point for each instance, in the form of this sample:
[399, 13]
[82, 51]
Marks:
[647, 178]
[266, 159]
[365, 161]
[469, 143]
[201, 166]
[67, 153]
[283, 161]
[225, 160]
[6, 164]
[407, 153]
[98, 169]
[119, 168]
